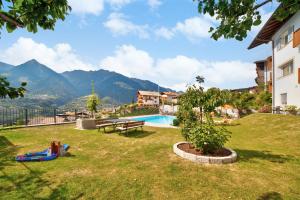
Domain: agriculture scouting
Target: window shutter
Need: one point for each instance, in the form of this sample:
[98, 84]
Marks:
[296, 40]
[299, 75]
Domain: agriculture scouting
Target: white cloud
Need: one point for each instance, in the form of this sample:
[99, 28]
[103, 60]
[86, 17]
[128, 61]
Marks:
[117, 4]
[164, 33]
[192, 28]
[119, 25]
[174, 72]
[94, 7]
[154, 3]
[195, 27]
[60, 58]
[129, 61]
[177, 72]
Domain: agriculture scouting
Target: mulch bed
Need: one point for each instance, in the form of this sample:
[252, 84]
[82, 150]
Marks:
[189, 148]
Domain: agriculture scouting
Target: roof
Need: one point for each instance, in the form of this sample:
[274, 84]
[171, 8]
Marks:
[268, 30]
[170, 93]
[148, 93]
[260, 61]
[244, 89]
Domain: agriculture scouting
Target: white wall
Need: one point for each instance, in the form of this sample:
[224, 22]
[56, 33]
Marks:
[152, 101]
[287, 84]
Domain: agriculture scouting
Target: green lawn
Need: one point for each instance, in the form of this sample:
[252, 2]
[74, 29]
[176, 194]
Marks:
[143, 166]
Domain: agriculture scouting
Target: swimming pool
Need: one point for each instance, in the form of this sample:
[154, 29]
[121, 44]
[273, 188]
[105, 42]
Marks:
[156, 119]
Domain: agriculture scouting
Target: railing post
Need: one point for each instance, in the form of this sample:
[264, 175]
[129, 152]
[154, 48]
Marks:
[2, 117]
[26, 117]
[75, 114]
[54, 115]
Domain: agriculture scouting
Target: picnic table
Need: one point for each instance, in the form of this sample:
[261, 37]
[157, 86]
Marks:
[110, 123]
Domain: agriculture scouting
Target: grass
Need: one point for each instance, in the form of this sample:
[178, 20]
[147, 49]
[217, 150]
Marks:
[143, 166]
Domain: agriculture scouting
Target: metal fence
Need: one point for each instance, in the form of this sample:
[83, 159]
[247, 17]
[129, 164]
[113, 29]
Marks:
[31, 117]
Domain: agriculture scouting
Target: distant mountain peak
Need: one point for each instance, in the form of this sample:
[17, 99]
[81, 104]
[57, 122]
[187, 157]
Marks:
[33, 61]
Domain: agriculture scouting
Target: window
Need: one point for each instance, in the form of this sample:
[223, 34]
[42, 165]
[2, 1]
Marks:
[287, 68]
[285, 38]
[284, 99]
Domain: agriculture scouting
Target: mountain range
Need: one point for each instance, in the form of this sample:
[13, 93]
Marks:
[47, 87]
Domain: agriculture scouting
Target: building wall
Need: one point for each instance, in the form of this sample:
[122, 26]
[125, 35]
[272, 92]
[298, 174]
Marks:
[268, 74]
[260, 71]
[287, 84]
[144, 100]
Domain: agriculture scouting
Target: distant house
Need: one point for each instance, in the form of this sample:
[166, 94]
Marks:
[251, 90]
[285, 38]
[169, 97]
[264, 73]
[148, 98]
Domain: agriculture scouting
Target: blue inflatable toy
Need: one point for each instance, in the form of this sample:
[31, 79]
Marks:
[45, 155]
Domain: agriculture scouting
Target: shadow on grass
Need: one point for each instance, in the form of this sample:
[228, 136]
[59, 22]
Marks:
[24, 183]
[7, 152]
[270, 196]
[249, 155]
[137, 133]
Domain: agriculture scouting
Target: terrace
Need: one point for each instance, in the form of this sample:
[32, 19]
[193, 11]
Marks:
[142, 165]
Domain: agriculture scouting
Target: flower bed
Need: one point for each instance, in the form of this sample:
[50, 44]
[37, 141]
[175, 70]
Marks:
[223, 156]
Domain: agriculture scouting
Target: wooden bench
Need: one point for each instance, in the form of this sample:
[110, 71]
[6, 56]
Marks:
[103, 123]
[131, 125]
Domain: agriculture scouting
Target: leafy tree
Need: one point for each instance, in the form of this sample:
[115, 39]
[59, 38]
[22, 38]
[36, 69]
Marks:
[29, 14]
[203, 134]
[93, 101]
[238, 16]
[214, 97]
[11, 92]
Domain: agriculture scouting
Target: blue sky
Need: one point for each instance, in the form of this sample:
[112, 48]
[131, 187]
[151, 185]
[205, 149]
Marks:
[165, 41]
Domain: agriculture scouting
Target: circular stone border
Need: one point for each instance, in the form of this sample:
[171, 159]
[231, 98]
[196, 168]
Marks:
[205, 159]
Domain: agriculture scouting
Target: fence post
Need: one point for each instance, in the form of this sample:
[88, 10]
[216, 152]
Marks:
[54, 115]
[75, 114]
[26, 117]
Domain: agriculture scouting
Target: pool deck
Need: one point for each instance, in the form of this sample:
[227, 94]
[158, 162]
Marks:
[151, 124]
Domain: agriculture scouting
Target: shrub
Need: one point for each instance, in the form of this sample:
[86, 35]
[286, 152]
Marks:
[208, 138]
[265, 109]
[176, 122]
[291, 109]
[263, 98]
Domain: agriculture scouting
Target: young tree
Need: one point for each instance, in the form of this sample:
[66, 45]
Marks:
[93, 101]
[28, 14]
[237, 17]
[203, 134]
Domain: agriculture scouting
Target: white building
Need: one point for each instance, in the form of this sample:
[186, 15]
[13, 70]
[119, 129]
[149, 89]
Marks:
[148, 98]
[285, 38]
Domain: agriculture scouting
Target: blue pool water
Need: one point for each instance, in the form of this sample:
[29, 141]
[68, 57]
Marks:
[157, 119]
